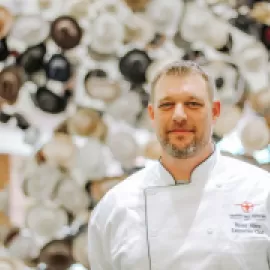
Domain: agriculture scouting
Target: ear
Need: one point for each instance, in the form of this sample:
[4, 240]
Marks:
[216, 110]
[151, 111]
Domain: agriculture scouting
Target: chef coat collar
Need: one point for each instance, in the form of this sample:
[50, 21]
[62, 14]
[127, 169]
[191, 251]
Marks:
[200, 174]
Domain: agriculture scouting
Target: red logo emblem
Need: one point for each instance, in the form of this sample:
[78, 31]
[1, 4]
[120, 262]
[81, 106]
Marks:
[247, 207]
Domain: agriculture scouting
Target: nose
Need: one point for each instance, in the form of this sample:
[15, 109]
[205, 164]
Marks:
[179, 113]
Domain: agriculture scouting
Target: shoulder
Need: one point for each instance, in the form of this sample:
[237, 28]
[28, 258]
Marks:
[128, 193]
[244, 171]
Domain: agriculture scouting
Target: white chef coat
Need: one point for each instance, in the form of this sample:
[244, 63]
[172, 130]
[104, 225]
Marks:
[218, 221]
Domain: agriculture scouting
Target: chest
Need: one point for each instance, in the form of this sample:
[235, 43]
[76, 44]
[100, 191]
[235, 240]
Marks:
[222, 227]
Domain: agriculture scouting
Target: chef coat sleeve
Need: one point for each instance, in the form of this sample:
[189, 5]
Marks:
[98, 250]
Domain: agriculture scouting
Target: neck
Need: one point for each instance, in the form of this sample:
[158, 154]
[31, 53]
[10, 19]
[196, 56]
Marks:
[181, 169]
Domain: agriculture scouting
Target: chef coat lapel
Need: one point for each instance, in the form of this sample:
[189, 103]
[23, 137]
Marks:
[170, 211]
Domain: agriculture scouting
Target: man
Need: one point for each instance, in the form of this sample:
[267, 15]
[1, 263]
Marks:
[194, 209]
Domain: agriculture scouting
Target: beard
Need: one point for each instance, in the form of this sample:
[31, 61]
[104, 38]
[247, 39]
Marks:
[184, 152]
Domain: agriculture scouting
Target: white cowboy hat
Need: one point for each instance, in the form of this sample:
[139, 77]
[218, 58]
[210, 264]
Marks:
[46, 220]
[29, 30]
[10, 263]
[23, 246]
[68, 188]
[124, 147]
[90, 160]
[107, 34]
[229, 84]
[41, 182]
[200, 25]
[120, 109]
[252, 61]
[60, 150]
[165, 15]
[195, 22]
[228, 120]
[254, 133]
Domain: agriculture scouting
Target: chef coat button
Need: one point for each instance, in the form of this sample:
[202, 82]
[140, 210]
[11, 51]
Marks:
[209, 231]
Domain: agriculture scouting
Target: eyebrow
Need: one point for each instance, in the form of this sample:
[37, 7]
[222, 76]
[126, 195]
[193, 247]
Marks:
[188, 98]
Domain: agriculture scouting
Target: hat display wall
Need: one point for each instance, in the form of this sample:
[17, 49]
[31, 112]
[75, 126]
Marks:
[75, 79]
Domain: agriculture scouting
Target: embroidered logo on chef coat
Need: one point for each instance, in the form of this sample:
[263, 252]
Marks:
[248, 219]
[247, 207]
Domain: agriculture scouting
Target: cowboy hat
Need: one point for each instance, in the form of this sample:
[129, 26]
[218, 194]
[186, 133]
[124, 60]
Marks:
[107, 34]
[6, 21]
[29, 30]
[66, 32]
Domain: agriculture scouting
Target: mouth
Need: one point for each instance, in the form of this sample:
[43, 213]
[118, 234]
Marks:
[181, 131]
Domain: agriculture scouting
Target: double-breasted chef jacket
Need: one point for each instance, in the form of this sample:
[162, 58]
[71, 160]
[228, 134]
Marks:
[217, 221]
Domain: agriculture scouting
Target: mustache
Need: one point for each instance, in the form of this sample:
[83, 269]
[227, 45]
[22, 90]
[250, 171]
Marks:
[181, 128]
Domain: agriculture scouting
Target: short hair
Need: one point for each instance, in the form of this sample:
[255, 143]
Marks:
[183, 68]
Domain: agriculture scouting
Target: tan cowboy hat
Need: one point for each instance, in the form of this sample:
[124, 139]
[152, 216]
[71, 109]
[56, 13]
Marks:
[11, 81]
[101, 88]
[60, 150]
[83, 122]
[261, 12]
[152, 149]
[137, 5]
[260, 102]
[77, 9]
[99, 188]
[6, 21]
[79, 248]
[10, 263]
[139, 29]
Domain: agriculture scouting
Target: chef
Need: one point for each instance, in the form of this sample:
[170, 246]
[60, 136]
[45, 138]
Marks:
[194, 209]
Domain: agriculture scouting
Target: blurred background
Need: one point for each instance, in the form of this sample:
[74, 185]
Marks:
[74, 84]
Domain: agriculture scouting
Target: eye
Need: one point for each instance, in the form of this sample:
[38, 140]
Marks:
[193, 104]
[166, 105]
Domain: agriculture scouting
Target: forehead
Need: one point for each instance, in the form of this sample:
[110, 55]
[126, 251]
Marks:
[173, 86]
